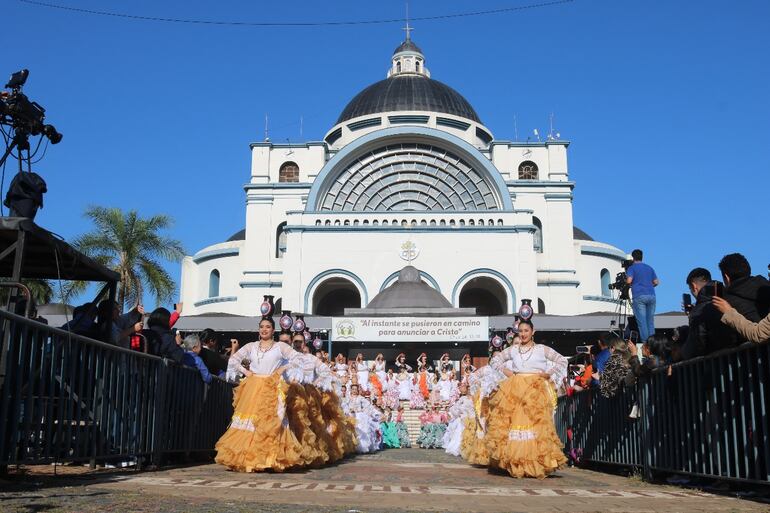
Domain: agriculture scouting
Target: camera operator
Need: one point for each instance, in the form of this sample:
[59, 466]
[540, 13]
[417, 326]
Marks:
[706, 333]
[643, 281]
[749, 295]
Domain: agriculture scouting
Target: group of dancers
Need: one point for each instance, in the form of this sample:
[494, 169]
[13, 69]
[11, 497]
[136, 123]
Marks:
[423, 386]
[295, 409]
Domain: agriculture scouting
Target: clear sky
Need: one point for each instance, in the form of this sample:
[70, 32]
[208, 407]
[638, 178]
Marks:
[666, 103]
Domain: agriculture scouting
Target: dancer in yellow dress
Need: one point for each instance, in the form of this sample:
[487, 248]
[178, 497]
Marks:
[521, 437]
[263, 433]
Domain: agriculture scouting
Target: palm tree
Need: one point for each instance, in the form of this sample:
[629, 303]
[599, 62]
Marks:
[133, 247]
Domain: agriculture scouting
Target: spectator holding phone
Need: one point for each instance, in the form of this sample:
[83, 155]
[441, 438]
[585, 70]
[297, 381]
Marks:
[749, 295]
[706, 333]
[643, 281]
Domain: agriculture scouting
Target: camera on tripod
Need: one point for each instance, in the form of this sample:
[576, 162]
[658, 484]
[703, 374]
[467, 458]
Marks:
[23, 118]
[620, 284]
[22, 114]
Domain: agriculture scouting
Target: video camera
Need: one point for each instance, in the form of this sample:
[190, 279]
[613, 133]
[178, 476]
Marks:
[24, 116]
[621, 279]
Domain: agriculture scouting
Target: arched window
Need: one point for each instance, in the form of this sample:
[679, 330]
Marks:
[528, 170]
[540, 306]
[289, 172]
[605, 277]
[417, 66]
[214, 283]
[398, 67]
[537, 238]
[280, 240]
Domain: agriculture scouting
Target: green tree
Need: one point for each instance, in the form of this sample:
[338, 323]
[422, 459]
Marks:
[134, 247]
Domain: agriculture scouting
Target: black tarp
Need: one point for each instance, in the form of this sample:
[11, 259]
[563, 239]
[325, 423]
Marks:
[42, 249]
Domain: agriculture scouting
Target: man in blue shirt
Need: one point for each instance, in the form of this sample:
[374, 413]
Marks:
[643, 281]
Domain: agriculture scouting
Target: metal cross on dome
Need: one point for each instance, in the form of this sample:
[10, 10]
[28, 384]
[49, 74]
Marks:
[407, 29]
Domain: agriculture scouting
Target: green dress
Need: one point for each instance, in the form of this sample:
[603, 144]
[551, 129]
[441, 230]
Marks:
[389, 435]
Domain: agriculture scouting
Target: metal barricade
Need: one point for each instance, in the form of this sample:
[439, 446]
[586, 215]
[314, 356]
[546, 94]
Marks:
[67, 398]
[708, 418]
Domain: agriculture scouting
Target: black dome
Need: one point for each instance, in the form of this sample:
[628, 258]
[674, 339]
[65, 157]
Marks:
[407, 46]
[239, 235]
[408, 92]
[579, 234]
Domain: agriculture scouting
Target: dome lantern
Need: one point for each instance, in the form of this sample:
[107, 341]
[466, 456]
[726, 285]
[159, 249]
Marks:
[408, 59]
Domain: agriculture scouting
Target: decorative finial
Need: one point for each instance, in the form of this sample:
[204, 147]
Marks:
[408, 29]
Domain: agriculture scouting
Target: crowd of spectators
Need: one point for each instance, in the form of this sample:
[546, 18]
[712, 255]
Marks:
[725, 314]
[152, 334]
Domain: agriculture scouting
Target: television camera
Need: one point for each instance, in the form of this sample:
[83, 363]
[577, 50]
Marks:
[20, 119]
[621, 281]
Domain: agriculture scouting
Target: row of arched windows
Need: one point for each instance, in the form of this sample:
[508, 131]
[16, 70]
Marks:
[537, 238]
[413, 222]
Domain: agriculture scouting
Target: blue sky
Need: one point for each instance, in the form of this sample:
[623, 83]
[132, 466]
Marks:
[666, 105]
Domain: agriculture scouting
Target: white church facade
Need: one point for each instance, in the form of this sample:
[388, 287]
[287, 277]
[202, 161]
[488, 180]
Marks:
[408, 174]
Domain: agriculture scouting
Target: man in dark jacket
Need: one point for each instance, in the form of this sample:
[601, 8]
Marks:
[160, 340]
[749, 295]
[209, 353]
[706, 333]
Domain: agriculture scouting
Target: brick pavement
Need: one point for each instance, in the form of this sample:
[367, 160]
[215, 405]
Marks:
[393, 480]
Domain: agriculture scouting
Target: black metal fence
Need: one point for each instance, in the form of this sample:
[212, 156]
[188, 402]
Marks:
[66, 398]
[708, 418]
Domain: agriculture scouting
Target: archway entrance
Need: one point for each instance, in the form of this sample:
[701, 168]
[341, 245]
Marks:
[486, 295]
[333, 295]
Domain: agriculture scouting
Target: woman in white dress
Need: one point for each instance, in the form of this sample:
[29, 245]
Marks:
[447, 388]
[461, 410]
[521, 437]
[367, 421]
[404, 381]
[378, 367]
[362, 372]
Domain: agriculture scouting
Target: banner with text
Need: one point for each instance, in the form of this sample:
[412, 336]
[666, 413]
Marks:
[410, 329]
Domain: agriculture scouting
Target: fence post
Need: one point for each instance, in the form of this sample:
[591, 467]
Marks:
[159, 424]
[642, 399]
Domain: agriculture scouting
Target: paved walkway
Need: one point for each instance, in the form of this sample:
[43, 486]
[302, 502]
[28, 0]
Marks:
[393, 480]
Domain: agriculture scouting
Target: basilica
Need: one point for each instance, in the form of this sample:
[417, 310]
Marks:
[409, 175]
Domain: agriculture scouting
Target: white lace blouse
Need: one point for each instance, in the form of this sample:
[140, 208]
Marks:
[261, 363]
[540, 358]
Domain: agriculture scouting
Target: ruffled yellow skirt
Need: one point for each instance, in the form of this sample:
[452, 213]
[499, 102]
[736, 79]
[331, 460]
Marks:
[521, 437]
[473, 448]
[341, 431]
[270, 429]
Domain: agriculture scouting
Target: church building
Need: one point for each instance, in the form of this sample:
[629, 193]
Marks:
[408, 175]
